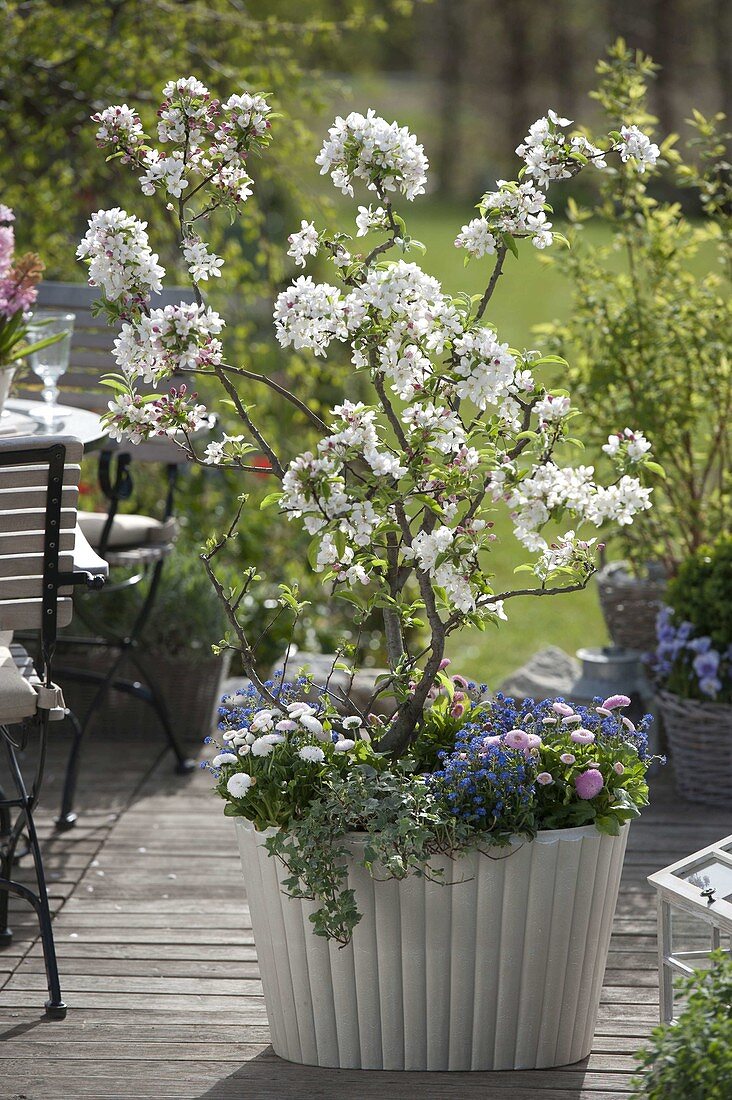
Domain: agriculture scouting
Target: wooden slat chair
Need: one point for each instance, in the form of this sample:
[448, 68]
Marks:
[130, 541]
[39, 480]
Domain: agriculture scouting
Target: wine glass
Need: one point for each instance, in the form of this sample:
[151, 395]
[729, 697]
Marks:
[50, 362]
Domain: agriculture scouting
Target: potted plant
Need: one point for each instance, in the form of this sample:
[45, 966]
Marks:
[399, 497]
[648, 341]
[19, 278]
[176, 642]
[692, 666]
[691, 1059]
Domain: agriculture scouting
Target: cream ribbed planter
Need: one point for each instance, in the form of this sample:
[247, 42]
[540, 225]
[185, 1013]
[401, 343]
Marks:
[502, 970]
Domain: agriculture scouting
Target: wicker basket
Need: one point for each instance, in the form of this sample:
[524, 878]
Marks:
[700, 744]
[190, 687]
[630, 605]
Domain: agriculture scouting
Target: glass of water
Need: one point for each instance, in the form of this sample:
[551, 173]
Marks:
[50, 362]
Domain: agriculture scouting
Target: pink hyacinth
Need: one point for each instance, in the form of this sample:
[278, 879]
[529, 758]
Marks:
[7, 246]
[15, 297]
[615, 701]
[589, 783]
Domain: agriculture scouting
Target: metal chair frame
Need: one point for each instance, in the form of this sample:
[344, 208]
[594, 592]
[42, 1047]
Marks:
[130, 646]
[91, 345]
[26, 797]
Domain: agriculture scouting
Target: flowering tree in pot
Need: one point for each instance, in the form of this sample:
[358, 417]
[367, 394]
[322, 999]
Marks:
[398, 496]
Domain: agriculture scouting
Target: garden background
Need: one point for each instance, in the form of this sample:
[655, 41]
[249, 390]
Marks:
[467, 76]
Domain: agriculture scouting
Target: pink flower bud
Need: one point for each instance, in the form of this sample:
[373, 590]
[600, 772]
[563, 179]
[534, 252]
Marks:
[618, 768]
[444, 663]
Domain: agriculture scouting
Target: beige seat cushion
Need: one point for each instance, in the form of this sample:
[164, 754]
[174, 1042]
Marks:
[128, 531]
[18, 699]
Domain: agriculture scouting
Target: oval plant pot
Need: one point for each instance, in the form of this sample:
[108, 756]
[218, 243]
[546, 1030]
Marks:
[700, 746]
[500, 970]
[630, 605]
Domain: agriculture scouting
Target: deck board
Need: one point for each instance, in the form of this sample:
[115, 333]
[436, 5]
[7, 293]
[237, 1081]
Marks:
[158, 963]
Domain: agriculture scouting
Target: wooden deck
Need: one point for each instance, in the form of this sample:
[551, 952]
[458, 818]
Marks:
[159, 969]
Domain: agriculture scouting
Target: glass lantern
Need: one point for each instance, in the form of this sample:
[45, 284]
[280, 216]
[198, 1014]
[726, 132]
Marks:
[697, 887]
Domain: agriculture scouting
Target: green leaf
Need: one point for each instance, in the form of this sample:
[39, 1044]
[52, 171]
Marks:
[510, 243]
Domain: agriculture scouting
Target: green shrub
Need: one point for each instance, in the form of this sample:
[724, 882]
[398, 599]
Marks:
[701, 593]
[691, 1059]
[648, 337]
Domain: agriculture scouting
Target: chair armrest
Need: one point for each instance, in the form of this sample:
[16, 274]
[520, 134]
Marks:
[89, 568]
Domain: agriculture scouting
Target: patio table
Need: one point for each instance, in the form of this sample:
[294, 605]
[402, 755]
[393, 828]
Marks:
[82, 424]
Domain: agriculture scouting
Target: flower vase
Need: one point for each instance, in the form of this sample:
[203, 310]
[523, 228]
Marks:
[7, 373]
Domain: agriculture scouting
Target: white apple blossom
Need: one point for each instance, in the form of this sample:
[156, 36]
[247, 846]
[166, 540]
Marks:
[304, 243]
[215, 453]
[440, 426]
[121, 262]
[309, 315]
[368, 148]
[544, 150]
[165, 340]
[368, 218]
[245, 116]
[476, 238]
[551, 408]
[566, 551]
[165, 171]
[120, 127]
[132, 418]
[358, 434]
[637, 146]
[634, 445]
[202, 264]
[485, 367]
